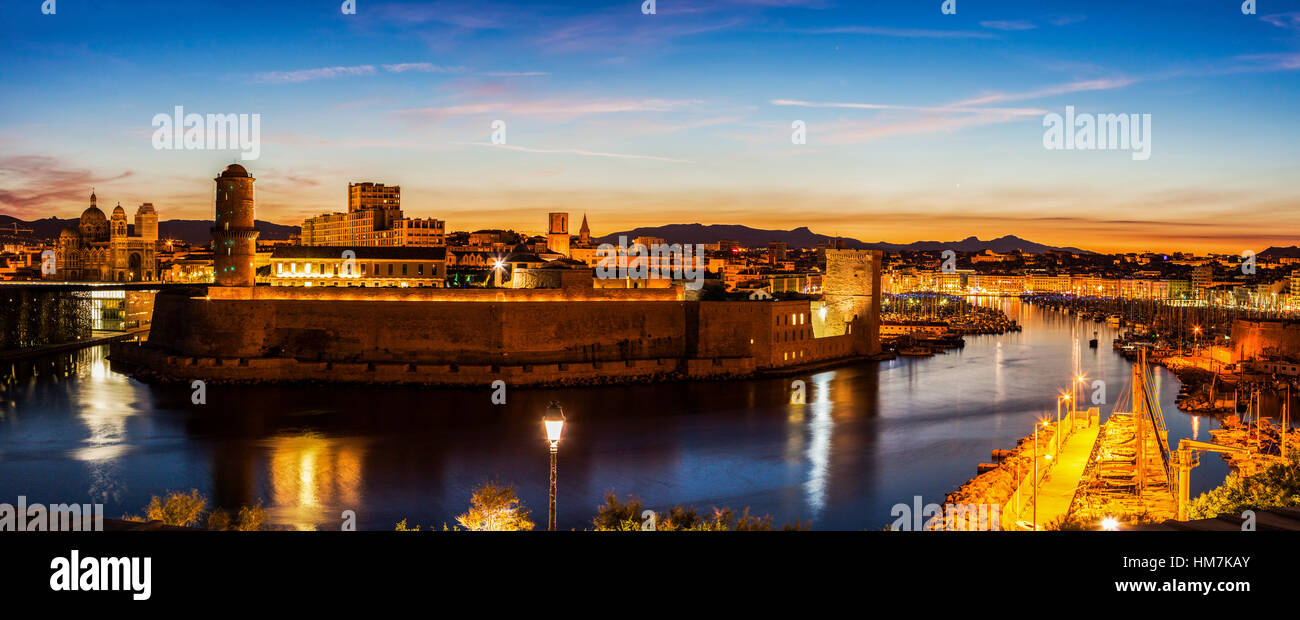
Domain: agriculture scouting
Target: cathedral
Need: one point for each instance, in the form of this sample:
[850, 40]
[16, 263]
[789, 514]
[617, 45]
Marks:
[101, 249]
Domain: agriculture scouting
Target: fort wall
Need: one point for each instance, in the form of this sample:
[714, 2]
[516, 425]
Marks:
[1265, 338]
[442, 336]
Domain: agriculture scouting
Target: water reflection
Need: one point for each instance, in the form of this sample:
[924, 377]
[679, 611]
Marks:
[870, 436]
[819, 442]
[314, 478]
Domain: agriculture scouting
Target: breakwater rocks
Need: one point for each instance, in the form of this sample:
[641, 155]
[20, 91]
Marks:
[998, 483]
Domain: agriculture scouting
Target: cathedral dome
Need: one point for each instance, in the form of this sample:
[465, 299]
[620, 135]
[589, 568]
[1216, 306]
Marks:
[69, 233]
[93, 216]
[234, 170]
[119, 212]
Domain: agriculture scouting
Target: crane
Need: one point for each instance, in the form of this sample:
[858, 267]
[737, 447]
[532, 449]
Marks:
[1187, 459]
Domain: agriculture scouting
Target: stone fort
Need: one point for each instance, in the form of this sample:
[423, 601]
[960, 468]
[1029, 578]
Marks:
[572, 333]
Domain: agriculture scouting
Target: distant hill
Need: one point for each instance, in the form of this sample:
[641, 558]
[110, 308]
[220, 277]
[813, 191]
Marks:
[197, 232]
[200, 231]
[1276, 252]
[802, 237]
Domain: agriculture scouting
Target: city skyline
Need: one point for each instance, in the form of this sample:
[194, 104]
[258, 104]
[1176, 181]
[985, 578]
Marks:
[920, 125]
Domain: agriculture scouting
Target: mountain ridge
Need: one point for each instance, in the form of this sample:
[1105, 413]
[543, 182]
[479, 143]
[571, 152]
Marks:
[803, 237]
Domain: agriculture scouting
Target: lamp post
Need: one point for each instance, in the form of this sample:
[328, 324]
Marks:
[554, 423]
[1074, 404]
[1056, 437]
[498, 268]
[1036, 476]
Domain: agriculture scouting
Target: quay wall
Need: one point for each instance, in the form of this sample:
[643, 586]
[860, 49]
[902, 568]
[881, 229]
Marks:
[436, 337]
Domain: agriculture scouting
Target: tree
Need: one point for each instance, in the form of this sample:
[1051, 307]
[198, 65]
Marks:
[495, 507]
[1276, 487]
[180, 509]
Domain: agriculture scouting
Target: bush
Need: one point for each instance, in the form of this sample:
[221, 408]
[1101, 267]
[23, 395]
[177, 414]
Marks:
[495, 508]
[179, 509]
[250, 518]
[616, 516]
[219, 520]
[1276, 487]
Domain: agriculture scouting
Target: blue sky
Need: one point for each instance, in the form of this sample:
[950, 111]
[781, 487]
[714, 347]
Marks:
[920, 125]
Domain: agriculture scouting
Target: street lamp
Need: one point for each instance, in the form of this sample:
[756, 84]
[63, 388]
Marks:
[1057, 435]
[1074, 404]
[1036, 475]
[554, 423]
[498, 268]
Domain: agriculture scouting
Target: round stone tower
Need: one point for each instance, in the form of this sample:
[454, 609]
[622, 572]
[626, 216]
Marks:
[234, 240]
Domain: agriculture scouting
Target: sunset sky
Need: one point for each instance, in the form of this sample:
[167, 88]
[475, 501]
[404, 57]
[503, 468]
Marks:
[920, 125]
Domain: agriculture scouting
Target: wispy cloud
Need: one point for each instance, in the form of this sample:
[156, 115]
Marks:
[35, 186]
[549, 108]
[422, 67]
[580, 152]
[1271, 62]
[306, 75]
[514, 73]
[1012, 25]
[615, 31]
[1059, 89]
[911, 33]
[945, 118]
[1290, 21]
[855, 132]
[912, 108]
[1065, 20]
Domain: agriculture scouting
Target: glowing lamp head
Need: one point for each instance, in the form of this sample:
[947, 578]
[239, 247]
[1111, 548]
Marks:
[1110, 524]
[554, 422]
[498, 263]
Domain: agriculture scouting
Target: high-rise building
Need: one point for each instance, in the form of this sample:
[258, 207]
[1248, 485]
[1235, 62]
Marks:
[365, 196]
[1295, 288]
[1202, 278]
[775, 252]
[234, 239]
[374, 219]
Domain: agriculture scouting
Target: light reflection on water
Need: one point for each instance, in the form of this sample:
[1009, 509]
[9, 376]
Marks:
[870, 436]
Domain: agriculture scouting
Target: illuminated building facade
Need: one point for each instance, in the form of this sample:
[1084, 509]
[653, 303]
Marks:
[359, 266]
[374, 219]
[557, 233]
[102, 249]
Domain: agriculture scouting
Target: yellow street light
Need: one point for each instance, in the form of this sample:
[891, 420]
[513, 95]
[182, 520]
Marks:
[554, 423]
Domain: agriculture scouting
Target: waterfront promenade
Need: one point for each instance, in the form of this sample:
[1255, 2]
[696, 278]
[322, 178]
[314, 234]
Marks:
[1057, 486]
[96, 338]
